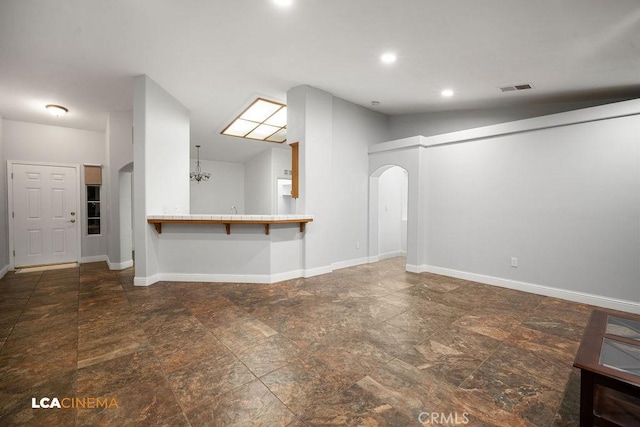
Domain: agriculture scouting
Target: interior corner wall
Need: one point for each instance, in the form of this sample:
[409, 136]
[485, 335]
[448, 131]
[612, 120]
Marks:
[4, 204]
[564, 201]
[119, 155]
[334, 137]
[44, 143]
[161, 168]
[354, 129]
[224, 190]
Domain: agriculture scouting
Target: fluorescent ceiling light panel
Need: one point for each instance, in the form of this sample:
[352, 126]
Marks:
[263, 132]
[263, 120]
[278, 119]
[240, 127]
[260, 111]
[280, 136]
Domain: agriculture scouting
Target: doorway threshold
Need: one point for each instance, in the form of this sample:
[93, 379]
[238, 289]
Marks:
[46, 267]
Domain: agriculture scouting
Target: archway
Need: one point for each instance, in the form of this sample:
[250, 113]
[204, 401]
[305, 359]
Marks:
[388, 212]
[125, 191]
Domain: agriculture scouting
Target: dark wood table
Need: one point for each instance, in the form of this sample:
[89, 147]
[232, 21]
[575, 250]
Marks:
[609, 363]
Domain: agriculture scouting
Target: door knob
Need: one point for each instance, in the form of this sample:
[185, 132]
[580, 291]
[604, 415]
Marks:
[73, 213]
[73, 220]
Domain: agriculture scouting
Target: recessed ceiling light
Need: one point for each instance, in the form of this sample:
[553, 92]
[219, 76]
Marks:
[446, 93]
[388, 58]
[57, 110]
[283, 2]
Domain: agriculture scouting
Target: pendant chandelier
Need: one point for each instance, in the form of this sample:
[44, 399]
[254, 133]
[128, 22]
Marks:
[198, 175]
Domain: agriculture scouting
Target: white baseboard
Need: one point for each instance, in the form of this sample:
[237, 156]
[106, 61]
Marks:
[146, 281]
[581, 297]
[317, 271]
[350, 263]
[414, 269]
[96, 258]
[218, 278]
[119, 265]
[281, 277]
[4, 270]
[393, 254]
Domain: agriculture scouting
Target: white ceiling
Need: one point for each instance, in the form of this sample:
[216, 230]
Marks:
[216, 56]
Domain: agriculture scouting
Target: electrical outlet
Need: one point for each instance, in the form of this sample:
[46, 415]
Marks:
[514, 262]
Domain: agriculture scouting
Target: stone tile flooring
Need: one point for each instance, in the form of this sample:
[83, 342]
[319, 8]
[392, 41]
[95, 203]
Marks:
[369, 345]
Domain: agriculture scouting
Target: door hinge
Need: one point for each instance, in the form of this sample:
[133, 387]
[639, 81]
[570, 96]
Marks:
[11, 175]
[14, 253]
[13, 214]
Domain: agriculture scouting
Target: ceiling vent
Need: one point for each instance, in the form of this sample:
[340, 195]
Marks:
[516, 87]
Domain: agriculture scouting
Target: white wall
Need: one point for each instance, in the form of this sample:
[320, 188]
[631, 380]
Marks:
[119, 155]
[392, 209]
[310, 122]
[4, 221]
[261, 175]
[258, 191]
[224, 189]
[206, 253]
[43, 143]
[161, 171]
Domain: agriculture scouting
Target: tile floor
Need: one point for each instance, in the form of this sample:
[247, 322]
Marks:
[369, 345]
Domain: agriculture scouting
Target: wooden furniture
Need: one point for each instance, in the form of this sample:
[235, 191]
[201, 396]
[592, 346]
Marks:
[609, 363]
[227, 221]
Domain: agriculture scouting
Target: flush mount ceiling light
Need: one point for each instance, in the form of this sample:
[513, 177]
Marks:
[198, 175]
[388, 58]
[446, 93]
[57, 110]
[263, 120]
[283, 2]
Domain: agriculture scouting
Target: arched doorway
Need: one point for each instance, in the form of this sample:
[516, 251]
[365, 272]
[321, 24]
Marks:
[388, 212]
[125, 191]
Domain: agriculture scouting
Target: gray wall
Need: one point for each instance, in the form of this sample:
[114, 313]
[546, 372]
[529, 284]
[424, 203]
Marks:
[565, 201]
[355, 128]
[4, 223]
[436, 123]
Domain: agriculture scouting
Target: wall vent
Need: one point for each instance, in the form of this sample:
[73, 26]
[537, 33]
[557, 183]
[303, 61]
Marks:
[516, 87]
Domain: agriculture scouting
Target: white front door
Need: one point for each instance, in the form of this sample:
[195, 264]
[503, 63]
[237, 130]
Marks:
[45, 214]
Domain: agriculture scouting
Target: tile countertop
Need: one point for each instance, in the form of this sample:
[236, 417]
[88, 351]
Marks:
[229, 217]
